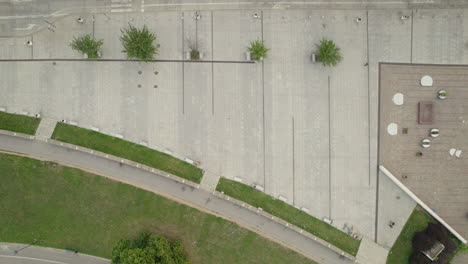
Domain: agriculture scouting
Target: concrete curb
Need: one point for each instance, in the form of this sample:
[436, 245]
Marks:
[16, 134]
[123, 161]
[106, 156]
[284, 223]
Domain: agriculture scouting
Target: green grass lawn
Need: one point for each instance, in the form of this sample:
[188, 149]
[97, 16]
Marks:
[289, 213]
[19, 123]
[402, 249]
[128, 150]
[69, 208]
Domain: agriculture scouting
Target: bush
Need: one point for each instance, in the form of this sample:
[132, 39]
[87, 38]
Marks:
[87, 45]
[424, 240]
[258, 50]
[138, 44]
[148, 249]
[328, 53]
[419, 258]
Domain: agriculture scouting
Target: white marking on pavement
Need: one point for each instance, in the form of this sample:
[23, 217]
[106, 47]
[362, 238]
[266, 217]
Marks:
[120, 5]
[121, 10]
[45, 260]
[277, 3]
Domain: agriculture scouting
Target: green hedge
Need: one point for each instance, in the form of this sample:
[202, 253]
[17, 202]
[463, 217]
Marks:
[19, 123]
[128, 150]
[290, 214]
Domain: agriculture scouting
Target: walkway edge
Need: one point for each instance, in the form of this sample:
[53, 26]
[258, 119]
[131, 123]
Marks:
[10, 245]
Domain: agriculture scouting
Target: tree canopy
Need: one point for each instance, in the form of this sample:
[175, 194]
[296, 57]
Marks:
[138, 43]
[328, 53]
[149, 249]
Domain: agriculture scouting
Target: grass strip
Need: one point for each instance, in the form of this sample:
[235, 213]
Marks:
[128, 150]
[70, 208]
[402, 248]
[19, 123]
[290, 214]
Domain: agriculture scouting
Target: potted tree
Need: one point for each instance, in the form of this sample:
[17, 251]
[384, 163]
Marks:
[442, 94]
[434, 132]
[258, 50]
[138, 43]
[425, 143]
[88, 46]
[328, 53]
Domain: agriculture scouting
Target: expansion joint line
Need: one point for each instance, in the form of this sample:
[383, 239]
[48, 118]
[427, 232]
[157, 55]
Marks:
[263, 106]
[329, 153]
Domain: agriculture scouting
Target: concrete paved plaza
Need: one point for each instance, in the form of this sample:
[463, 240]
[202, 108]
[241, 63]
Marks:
[437, 178]
[302, 131]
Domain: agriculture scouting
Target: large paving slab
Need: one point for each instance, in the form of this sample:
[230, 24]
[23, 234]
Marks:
[371, 253]
[394, 206]
[440, 36]
[233, 31]
[15, 48]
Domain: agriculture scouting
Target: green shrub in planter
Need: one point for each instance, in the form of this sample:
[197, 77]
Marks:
[87, 45]
[258, 50]
[138, 43]
[328, 53]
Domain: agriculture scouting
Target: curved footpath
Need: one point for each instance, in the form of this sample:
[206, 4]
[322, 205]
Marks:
[36, 255]
[174, 190]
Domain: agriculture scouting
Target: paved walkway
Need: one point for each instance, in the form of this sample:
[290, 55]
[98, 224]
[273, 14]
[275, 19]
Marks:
[46, 128]
[371, 253]
[196, 198]
[43, 255]
[209, 181]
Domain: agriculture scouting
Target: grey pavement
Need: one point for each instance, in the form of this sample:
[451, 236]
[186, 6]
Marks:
[302, 131]
[371, 253]
[23, 17]
[194, 197]
[46, 128]
[43, 255]
[394, 206]
[297, 129]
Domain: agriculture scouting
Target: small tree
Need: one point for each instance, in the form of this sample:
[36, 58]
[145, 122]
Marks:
[148, 249]
[328, 53]
[258, 50]
[138, 44]
[87, 45]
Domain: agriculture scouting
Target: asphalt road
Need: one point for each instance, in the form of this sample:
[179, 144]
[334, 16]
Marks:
[197, 198]
[42, 255]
